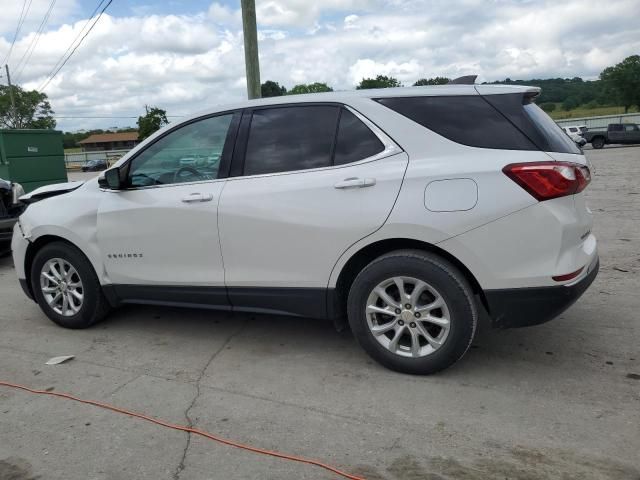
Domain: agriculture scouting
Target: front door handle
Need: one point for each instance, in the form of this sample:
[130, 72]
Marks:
[354, 182]
[197, 197]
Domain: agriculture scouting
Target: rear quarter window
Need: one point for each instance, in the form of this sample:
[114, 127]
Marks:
[554, 139]
[533, 122]
[466, 119]
[355, 140]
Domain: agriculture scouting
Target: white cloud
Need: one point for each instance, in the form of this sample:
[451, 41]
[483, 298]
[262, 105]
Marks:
[351, 21]
[224, 15]
[367, 68]
[185, 62]
[303, 13]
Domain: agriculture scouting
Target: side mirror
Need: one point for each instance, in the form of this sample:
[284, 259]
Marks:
[111, 179]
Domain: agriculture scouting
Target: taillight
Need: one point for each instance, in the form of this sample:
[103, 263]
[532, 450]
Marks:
[547, 180]
[568, 276]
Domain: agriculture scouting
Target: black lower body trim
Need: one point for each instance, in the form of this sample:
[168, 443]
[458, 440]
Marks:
[26, 289]
[170, 295]
[523, 307]
[301, 302]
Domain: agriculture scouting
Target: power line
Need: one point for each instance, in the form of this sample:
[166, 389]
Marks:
[34, 42]
[52, 76]
[95, 10]
[23, 16]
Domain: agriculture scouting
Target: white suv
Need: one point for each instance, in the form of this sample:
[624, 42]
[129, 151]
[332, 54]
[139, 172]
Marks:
[575, 133]
[409, 210]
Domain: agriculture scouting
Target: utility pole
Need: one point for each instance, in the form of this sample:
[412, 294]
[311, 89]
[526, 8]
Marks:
[13, 100]
[251, 61]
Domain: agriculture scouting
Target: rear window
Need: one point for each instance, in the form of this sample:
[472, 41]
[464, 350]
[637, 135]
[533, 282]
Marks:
[468, 120]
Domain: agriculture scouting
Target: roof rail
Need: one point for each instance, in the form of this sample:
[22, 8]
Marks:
[466, 80]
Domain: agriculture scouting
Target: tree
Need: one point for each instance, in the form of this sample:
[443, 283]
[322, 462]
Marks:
[272, 89]
[33, 109]
[570, 103]
[624, 81]
[316, 87]
[152, 121]
[548, 107]
[381, 81]
[432, 81]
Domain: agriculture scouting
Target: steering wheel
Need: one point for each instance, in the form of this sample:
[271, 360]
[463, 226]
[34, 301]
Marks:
[190, 170]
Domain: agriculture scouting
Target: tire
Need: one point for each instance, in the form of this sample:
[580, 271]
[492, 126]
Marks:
[597, 143]
[92, 308]
[442, 280]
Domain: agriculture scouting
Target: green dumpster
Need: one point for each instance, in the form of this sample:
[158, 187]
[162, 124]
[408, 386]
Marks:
[32, 158]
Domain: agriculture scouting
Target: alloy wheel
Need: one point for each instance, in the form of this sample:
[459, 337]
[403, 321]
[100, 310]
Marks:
[61, 287]
[408, 317]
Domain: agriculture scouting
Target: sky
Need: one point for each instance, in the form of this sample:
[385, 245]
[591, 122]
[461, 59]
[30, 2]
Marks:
[184, 56]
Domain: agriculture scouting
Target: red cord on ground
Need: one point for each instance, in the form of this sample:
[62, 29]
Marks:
[183, 428]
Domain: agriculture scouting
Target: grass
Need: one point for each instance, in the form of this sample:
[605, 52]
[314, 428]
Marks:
[73, 150]
[582, 111]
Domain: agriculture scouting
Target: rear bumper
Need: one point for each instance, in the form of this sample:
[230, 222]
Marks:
[523, 307]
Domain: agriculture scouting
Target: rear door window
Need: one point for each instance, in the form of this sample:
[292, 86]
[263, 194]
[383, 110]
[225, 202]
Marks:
[355, 140]
[283, 139]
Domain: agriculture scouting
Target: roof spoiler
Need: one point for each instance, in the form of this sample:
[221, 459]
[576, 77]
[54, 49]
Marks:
[466, 80]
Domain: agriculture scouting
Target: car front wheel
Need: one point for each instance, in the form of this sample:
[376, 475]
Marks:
[412, 311]
[66, 287]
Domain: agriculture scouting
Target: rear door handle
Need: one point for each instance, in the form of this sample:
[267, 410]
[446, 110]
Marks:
[354, 182]
[197, 197]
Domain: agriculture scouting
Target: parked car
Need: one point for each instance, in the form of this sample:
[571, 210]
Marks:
[409, 210]
[575, 134]
[10, 208]
[621, 133]
[95, 165]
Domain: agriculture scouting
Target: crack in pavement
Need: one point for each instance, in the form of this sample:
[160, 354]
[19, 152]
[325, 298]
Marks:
[181, 465]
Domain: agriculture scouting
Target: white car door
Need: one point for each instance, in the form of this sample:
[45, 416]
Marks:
[313, 180]
[159, 235]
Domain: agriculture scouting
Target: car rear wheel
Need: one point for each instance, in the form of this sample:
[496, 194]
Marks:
[66, 287]
[598, 142]
[413, 312]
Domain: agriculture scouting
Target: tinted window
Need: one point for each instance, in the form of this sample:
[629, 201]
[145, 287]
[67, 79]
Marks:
[190, 153]
[290, 138]
[615, 127]
[573, 129]
[531, 120]
[355, 140]
[554, 138]
[468, 120]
